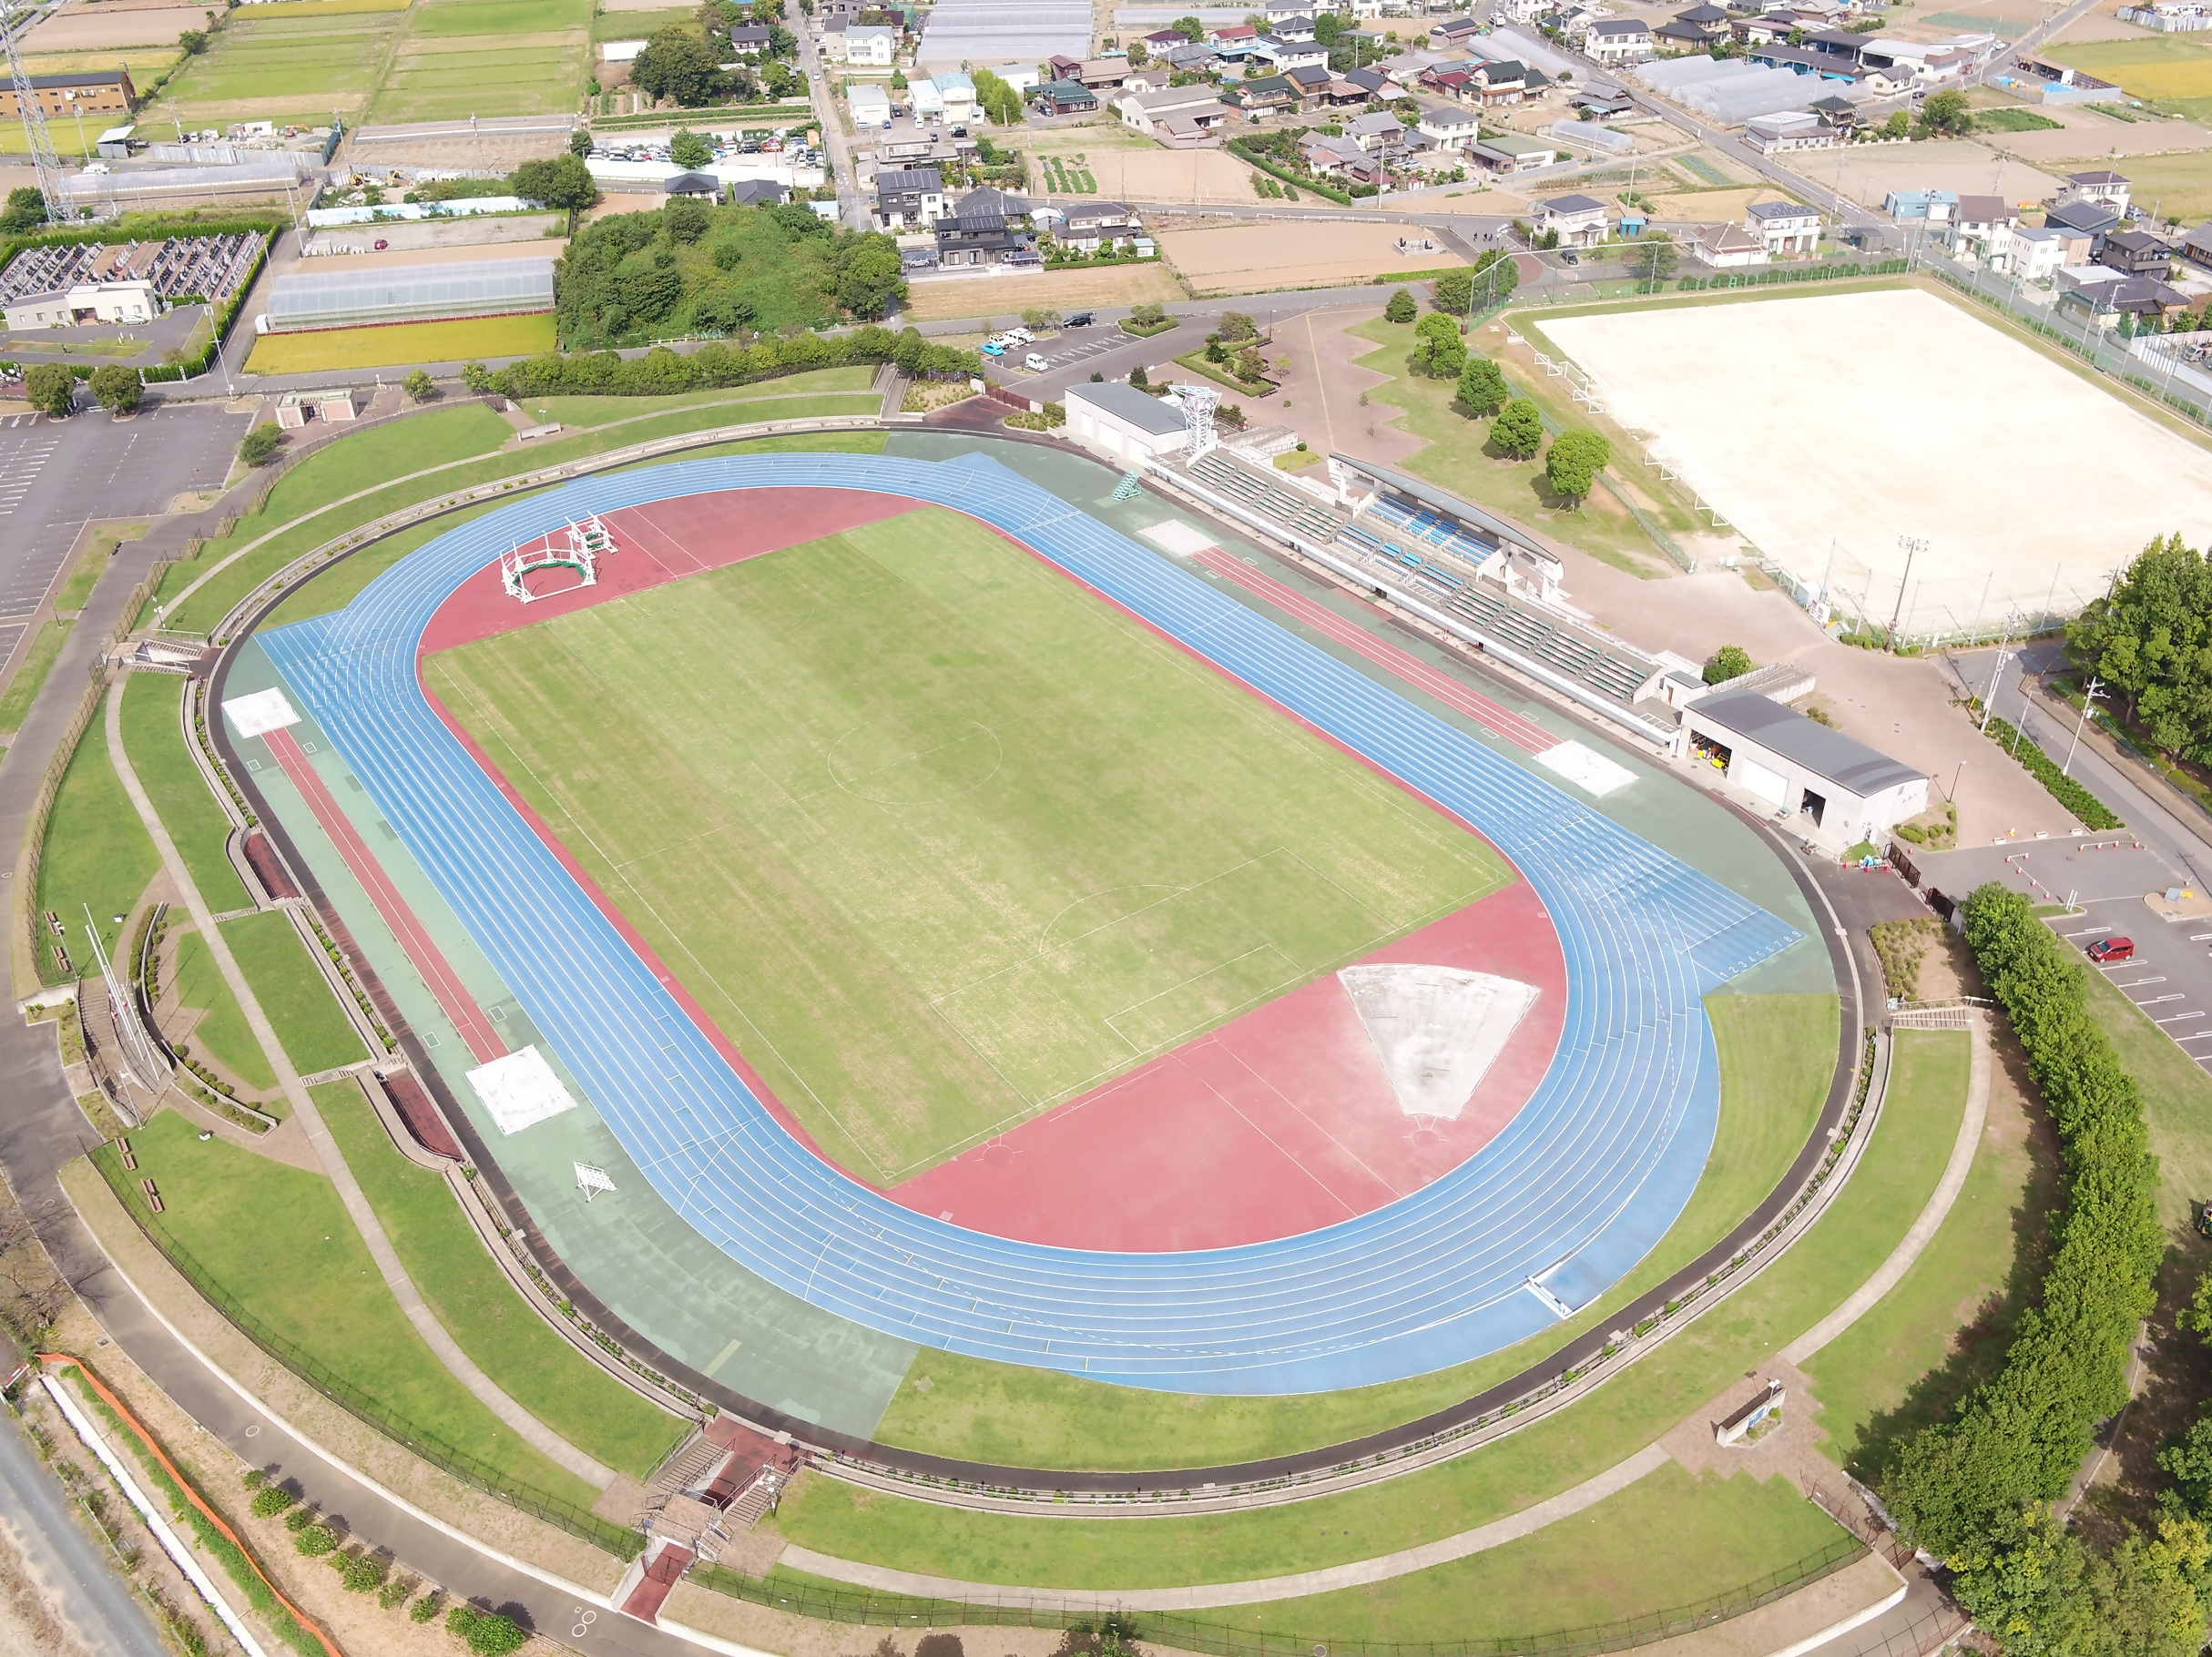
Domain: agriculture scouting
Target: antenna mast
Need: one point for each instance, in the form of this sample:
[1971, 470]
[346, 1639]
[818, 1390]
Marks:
[44, 157]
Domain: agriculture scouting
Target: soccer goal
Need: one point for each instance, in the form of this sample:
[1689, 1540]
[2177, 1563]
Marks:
[580, 548]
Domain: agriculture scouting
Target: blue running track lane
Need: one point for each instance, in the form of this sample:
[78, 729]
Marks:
[1579, 1186]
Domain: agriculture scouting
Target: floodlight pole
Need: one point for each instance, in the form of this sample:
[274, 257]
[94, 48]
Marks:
[2091, 692]
[2003, 639]
[1914, 545]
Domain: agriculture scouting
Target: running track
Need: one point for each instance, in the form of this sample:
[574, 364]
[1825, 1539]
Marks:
[1578, 1187]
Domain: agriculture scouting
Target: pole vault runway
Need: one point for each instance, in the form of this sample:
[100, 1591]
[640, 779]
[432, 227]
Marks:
[1579, 1185]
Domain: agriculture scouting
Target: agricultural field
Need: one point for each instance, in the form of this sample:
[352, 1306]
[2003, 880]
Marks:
[486, 339]
[1256, 257]
[923, 705]
[281, 68]
[456, 59]
[2168, 68]
[1150, 282]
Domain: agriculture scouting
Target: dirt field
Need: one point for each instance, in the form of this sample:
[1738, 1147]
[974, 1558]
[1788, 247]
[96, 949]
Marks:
[1708, 207]
[1233, 259]
[86, 28]
[2087, 135]
[1749, 401]
[1871, 171]
[1006, 296]
[1152, 174]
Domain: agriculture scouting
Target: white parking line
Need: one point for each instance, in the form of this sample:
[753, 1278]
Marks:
[2137, 983]
[2176, 1018]
[2087, 931]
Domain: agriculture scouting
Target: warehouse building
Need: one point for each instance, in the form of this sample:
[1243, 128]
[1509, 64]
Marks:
[1799, 767]
[1124, 421]
[104, 92]
[303, 300]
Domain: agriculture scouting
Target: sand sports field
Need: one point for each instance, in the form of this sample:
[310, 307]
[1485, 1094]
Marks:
[1246, 257]
[1835, 424]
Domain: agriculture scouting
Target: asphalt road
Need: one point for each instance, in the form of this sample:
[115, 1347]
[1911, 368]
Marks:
[55, 475]
[77, 1582]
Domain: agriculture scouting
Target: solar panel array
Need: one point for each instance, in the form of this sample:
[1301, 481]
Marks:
[1578, 1187]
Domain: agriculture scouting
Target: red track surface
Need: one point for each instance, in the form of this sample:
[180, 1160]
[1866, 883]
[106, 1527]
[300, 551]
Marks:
[459, 1006]
[1278, 1123]
[1502, 721]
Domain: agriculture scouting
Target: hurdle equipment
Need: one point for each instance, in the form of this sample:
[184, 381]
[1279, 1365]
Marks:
[580, 549]
[591, 1181]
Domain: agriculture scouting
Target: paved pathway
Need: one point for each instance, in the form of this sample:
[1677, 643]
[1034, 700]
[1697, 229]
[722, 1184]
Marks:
[1888, 1275]
[1358, 1573]
[532, 1430]
[70, 1575]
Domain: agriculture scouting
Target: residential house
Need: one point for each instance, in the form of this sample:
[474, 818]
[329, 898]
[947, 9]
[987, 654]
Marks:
[1501, 83]
[1152, 78]
[870, 46]
[1146, 110]
[926, 101]
[1789, 130]
[1935, 206]
[1266, 94]
[1161, 42]
[2136, 252]
[1783, 227]
[1188, 128]
[1312, 82]
[1275, 11]
[1299, 27]
[1452, 130]
[2106, 293]
[871, 105]
[1456, 31]
[1066, 97]
[1676, 35]
[2106, 189]
[1449, 81]
[1190, 58]
[1580, 220]
[761, 192]
[1601, 103]
[2091, 219]
[1099, 74]
[987, 198]
[2034, 254]
[1290, 54]
[1982, 228]
[1343, 95]
[1761, 31]
[1235, 35]
[1324, 154]
[1373, 82]
[1618, 40]
[1509, 152]
[1725, 246]
[985, 239]
[2196, 245]
[751, 37]
[1379, 131]
[909, 198]
[1087, 225]
[1713, 20]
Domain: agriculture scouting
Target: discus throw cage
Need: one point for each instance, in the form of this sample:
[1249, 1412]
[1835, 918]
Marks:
[579, 548]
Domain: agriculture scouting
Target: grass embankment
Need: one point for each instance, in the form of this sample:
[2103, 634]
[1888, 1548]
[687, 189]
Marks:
[472, 1298]
[1864, 1223]
[154, 741]
[1945, 1326]
[1165, 853]
[223, 1036]
[97, 856]
[277, 1240]
[485, 337]
[427, 441]
[1460, 457]
[294, 995]
[1776, 1056]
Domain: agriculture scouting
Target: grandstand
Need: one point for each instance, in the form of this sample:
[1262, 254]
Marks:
[1450, 555]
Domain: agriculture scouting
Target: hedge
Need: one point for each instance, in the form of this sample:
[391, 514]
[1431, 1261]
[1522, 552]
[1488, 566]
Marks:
[1268, 163]
[2019, 1439]
[661, 370]
[2088, 810]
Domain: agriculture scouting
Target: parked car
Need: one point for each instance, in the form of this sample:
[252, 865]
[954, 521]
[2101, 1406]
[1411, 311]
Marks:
[1034, 362]
[992, 348]
[1020, 336]
[1081, 319]
[2112, 952]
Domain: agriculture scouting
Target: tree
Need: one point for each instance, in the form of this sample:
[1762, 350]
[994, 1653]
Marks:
[25, 208]
[649, 284]
[193, 42]
[1518, 430]
[1189, 28]
[1039, 316]
[1656, 259]
[1140, 379]
[1327, 27]
[1728, 662]
[117, 388]
[678, 66]
[871, 281]
[689, 150]
[1439, 353]
[579, 142]
[260, 444]
[1399, 309]
[1575, 460]
[684, 220]
[1897, 125]
[51, 388]
[1947, 115]
[2151, 641]
[1139, 55]
[1482, 386]
[1236, 326]
[420, 386]
[563, 183]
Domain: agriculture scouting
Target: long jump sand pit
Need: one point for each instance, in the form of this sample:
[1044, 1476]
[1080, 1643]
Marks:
[1825, 427]
[1246, 257]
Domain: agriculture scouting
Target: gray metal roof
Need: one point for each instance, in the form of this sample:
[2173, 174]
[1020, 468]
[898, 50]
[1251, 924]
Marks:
[1442, 500]
[1826, 753]
[1125, 402]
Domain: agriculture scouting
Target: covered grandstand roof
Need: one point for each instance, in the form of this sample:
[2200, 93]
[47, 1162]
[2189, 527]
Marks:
[406, 293]
[1440, 500]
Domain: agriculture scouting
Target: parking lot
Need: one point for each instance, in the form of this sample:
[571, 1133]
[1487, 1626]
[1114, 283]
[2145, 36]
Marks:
[2104, 878]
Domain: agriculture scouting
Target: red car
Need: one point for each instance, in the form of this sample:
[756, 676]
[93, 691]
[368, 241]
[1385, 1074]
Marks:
[2112, 952]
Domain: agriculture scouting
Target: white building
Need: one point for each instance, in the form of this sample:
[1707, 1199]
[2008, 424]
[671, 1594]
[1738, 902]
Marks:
[927, 102]
[2107, 189]
[871, 105]
[1022, 78]
[88, 302]
[1453, 129]
[1579, 219]
[1725, 246]
[957, 92]
[1124, 421]
[2033, 253]
[1618, 40]
[1147, 110]
[869, 45]
[1789, 130]
[1797, 766]
[1784, 227]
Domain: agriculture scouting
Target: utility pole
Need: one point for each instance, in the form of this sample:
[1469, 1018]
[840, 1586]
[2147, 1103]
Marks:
[1997, 668]
[2091, 693]
[1914, 547]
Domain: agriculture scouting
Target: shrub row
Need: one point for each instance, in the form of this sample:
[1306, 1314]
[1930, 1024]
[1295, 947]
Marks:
[2088, 810]
[1268, 163]
[661, 370]
[1793, 273]
[2018, 1438]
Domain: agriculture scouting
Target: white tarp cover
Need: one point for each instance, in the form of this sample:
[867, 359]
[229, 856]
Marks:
[1437, 1029]
[520, 1091]
[1181, 539]
[260, 713]
[1591, 772]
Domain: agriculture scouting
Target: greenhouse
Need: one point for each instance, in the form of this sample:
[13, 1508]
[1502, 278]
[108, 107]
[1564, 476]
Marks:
[303, 301]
